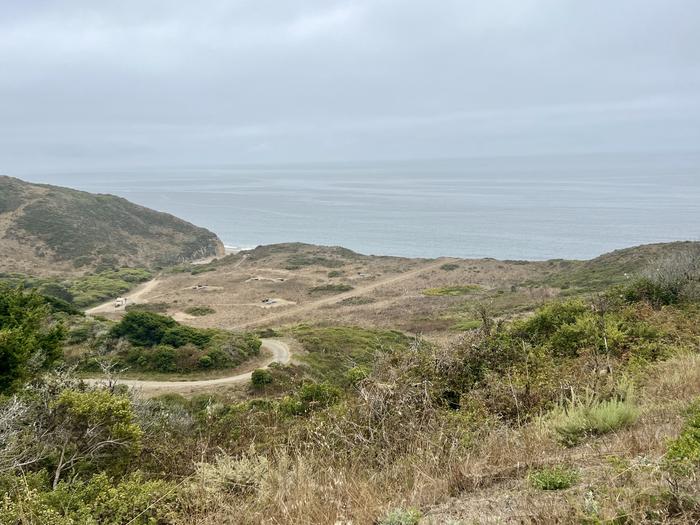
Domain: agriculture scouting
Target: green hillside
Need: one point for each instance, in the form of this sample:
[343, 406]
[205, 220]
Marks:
[51, 228]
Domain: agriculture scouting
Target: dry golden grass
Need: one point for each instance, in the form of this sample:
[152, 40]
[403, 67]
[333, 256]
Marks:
[621, 472]
[486, 482]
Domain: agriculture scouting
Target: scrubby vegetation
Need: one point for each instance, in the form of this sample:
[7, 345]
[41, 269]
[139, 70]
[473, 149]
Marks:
[83, 291]
[148, 341]
[451, 291]
[577, 420]
[594, 395]
[330, 288]
[557, 478]
[401, 517]
[683, 456]
[336, 353]
[92, 230]
[30, 340]
[299, 261]
[200, 311]
[158, 308]
[357, 301]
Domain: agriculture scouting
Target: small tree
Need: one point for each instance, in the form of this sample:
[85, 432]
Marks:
[94, 429]
[29, 340]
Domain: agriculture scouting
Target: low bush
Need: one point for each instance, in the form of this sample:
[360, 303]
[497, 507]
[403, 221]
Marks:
[401, 516]
[671, 280]
[92, 289]
[296, 262]
[200, 269]
[464, 326]
[143, 328]
[357, 301]
[449, 267]
[85, 290]
[332, 351]
[261, 377]
[161, 344]
[683, 455]
[576, 421]
[29, 499]
[151, 329]
[158, 308]
[655, 292]
[200, 311]
[556, 478]
[451, 291]
[331, 288]
[310, 396]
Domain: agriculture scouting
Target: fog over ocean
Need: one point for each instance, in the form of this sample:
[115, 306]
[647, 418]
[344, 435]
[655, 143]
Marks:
[506, 208]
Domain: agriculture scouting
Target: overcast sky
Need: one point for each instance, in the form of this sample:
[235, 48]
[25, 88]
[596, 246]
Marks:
[90, 83]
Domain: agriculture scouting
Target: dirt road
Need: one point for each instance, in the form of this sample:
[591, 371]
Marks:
[360, 290]
[279, 353]
[132, 298]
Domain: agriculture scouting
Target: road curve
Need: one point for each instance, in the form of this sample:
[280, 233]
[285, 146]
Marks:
[279, 351]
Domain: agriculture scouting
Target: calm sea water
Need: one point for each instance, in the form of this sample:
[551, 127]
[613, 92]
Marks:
[512, 208]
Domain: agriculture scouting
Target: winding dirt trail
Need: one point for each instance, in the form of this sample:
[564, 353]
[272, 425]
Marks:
[279, 353]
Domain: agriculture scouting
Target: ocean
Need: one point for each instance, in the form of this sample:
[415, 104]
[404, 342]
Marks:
[535, 208]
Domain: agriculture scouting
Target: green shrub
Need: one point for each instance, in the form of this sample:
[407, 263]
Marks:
[268, 332]
[299, 261]
[29, 499]
[200, 311]
[556, 478]
[202, 268]
[549, 319]
[331, 288]
[683, 455]
[465, 326]
[401, 516]
[451, 291]
[151, 329]
[671, 280]
[164, 359]
[335, 273]
[310, 396]
[94, 288]
[449, 267]
[261, 377]
[576, 421]
[180, 335]
[357, 374]
[331, 351]
[356, 301]
[159, 308]
[143, 328]
[163, 345]
[29, 339]
[56, 290]
[205, 361]
[654, 292]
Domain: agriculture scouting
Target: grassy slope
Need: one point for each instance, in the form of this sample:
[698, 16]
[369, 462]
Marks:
[62, 225]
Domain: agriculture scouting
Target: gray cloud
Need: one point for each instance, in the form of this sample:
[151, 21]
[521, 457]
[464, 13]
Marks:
[87, 83]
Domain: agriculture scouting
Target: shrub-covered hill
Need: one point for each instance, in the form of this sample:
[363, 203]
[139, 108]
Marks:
[149, 342]
[49, 229]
